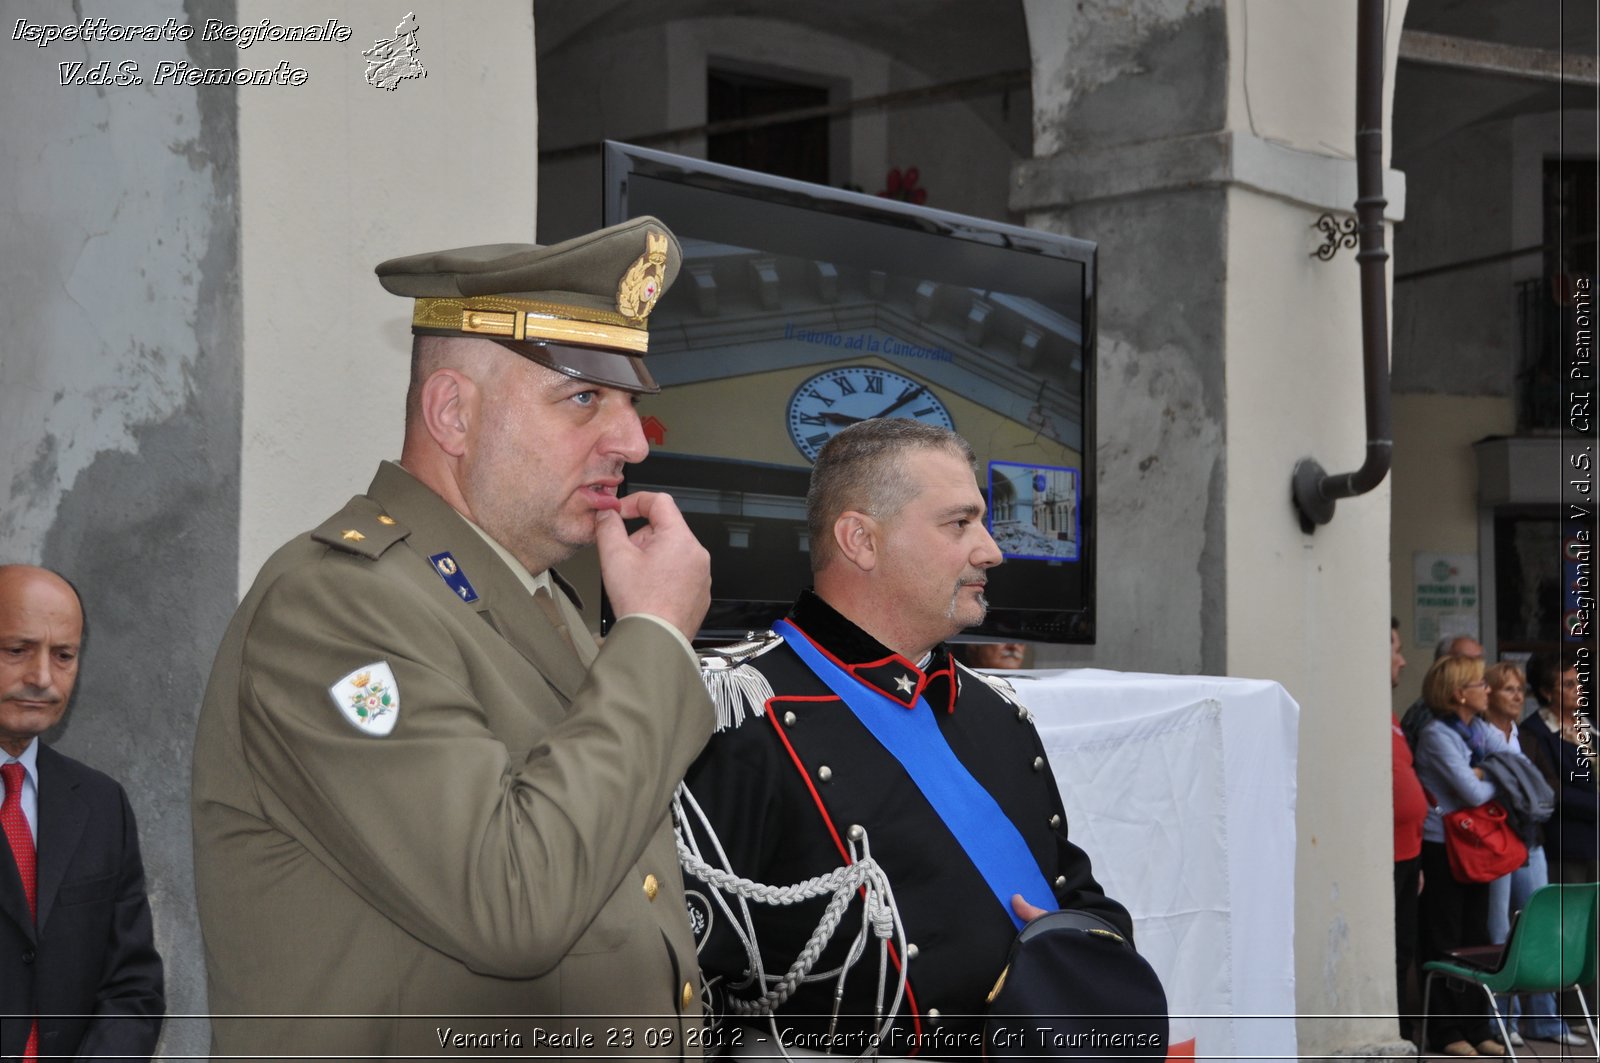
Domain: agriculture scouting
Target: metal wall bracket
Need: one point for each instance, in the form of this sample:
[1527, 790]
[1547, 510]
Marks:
[1336, 234]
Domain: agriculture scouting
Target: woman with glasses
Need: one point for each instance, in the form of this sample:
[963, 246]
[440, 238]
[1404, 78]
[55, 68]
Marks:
[1510, 893]
[1454, 914]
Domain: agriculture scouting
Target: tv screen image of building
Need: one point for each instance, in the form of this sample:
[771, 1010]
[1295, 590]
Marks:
[1033, 511]
[801, 309]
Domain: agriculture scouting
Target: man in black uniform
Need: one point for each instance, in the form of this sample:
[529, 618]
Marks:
[802, 777]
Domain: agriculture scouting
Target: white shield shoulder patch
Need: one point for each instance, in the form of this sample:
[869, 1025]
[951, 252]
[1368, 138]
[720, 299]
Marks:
[369, 698]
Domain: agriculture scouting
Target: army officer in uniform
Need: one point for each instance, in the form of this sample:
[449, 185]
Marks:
[429, 812]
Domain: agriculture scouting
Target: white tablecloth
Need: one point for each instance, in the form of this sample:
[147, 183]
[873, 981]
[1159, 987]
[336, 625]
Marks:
[1182, 790]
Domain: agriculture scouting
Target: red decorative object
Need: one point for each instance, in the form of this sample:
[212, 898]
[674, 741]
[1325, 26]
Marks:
[903, 186]
[654, 431]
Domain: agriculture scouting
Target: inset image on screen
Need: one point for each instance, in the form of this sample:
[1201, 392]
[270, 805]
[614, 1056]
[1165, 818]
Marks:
[1033, 510]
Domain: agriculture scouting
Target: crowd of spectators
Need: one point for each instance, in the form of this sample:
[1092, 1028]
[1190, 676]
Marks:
[1471, 738]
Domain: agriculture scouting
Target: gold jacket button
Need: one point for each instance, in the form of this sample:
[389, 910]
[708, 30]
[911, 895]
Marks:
[688, 994]
[652, 886]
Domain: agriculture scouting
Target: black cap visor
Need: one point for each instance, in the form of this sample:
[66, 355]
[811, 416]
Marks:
[597, 365]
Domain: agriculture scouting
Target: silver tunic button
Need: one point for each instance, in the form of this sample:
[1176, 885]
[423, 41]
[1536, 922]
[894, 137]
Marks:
[1022, 713]
[933, 1015]
[857, 832]
[911, 950]
[1061, 880]
[788, 719]
[824, 773]
[1038, 763]
[1055, 821]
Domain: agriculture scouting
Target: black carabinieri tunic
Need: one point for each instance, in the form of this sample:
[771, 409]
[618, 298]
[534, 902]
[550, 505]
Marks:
[782, 784]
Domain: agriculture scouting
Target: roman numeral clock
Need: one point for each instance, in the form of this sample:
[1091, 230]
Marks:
[830, 401]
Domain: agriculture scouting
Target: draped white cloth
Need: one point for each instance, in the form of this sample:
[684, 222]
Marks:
[1182, 791]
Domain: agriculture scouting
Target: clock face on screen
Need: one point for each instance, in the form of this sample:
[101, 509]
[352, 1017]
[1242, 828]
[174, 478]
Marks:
[833, 400]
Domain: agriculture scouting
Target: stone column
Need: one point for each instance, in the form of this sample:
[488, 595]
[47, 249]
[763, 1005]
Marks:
[1197, 143]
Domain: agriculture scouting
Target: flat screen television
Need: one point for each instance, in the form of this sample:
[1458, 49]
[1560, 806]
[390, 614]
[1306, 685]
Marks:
[802, 308]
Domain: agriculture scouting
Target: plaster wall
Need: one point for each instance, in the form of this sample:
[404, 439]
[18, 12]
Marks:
[592, 90]
[1116, 73]
[119, 400]
[1293, 82]
[1454, 333]
[1161, 424]
[1435, 501]
[963, 151]
[442, 161]
[1311, 611]
[1154, 70]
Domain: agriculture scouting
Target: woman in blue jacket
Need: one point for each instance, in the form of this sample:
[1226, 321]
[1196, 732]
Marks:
[1453, 914]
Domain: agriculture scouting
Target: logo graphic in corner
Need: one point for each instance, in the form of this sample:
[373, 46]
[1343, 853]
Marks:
[394, 60]
[369, 698]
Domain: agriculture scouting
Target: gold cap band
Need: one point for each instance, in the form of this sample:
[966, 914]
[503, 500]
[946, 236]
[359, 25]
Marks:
[526, 319]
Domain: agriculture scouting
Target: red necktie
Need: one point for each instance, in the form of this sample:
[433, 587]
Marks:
[17, 833]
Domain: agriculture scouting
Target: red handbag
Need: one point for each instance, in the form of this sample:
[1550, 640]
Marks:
[1481, 844]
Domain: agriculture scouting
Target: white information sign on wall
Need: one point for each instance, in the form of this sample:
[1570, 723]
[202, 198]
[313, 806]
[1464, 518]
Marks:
[1445, 595]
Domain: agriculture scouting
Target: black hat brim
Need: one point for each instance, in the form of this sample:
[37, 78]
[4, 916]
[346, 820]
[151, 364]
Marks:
[597, 365]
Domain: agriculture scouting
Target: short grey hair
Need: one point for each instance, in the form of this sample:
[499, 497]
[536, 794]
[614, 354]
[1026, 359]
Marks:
[863, 469]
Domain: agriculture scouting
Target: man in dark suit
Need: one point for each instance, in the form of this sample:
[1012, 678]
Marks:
[79, 972]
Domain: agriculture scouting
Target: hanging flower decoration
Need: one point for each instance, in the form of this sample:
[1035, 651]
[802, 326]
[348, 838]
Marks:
[903, 186]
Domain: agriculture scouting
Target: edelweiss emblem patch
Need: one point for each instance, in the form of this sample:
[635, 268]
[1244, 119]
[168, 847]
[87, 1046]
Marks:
[369, 698]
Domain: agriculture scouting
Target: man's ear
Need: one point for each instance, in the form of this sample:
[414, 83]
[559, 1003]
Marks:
[855, 534]
[449, 404]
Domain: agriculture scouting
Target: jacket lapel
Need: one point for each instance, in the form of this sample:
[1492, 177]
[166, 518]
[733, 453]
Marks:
[62, 818]
[535, 633]
[503, 602]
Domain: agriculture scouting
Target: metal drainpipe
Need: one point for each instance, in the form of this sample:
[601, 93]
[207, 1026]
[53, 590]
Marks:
[1315, 491]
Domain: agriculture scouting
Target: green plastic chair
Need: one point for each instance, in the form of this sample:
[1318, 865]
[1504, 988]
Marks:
[1551, 948]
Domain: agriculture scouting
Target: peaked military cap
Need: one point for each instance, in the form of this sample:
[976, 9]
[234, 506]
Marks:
[578, 307]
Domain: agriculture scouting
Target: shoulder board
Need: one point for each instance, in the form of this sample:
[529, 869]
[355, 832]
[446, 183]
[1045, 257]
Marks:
[1000, 686]
[737, 689]
[361, 528]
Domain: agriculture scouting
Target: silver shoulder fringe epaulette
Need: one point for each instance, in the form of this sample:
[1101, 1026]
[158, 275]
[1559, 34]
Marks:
[1000, 686]
[736, 689]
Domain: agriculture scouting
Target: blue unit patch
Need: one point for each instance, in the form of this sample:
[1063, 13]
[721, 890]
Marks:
[451, 573]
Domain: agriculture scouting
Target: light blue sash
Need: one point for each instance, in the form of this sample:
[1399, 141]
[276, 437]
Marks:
[990, 840]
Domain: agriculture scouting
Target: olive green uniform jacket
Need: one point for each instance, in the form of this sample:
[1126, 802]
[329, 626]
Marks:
[504, 852]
